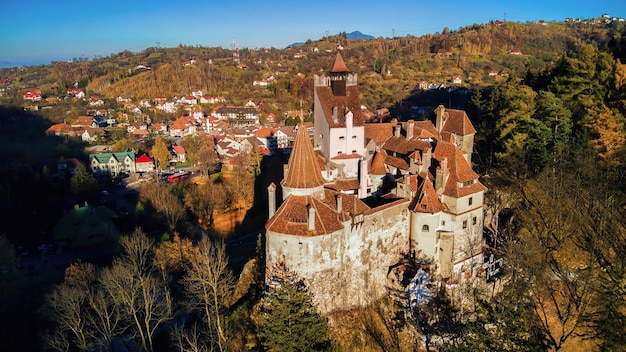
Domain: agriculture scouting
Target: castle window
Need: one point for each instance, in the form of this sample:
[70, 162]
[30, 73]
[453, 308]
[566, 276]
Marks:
[470, 200]
[474, 220]
[342, 137]
[464, 224]
[339, 152]
[443, 223]
[354, 151]
[425, 228]
[353, 137]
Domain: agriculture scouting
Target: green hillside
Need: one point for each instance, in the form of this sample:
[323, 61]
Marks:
[388, 68]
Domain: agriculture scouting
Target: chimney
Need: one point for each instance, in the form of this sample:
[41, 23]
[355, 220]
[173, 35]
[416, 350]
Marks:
[364, 178]
[311, 220]
[441, 175]
[396, 131]
[440, 110]
[410, 125]
[426, 159]
[339, 201]
[271, 199]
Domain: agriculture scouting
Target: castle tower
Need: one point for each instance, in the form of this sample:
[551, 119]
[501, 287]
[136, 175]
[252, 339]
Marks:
[338, 76]
[339, 121]
[304, 176]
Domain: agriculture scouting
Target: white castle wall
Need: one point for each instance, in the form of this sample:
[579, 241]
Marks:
[347, 268]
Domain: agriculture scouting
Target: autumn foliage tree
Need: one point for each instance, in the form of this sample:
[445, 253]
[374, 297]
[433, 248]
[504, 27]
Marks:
[160, 153]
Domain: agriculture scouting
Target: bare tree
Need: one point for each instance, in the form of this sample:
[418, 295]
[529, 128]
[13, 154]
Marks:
[558, 270]
[138, 290]
[66, 305]
[166, 204]
[209, 284]
[204, 199]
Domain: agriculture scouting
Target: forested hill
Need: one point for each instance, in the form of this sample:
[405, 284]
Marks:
[387, 67]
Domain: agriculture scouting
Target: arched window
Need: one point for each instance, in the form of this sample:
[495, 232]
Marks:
[425, 228]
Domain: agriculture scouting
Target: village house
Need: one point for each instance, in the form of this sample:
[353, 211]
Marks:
[84, 122]
[124, 98]
[183, 126]
[227, 147]
[158, 128]
[91, 135]
[267, 136]
[95, 100]
[112, 164]
[59, 129]
[423, 85]
[237, 116]
[76, 92]
[285, 137]
[249, 144]
[178, 154]
[144, 163]
[61, 167]
[207, 99]
[33, 95]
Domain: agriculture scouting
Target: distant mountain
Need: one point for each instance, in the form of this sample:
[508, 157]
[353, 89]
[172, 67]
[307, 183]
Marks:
[352, 36]
[358, 35]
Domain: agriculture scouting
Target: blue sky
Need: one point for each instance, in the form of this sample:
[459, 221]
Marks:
[41, 31]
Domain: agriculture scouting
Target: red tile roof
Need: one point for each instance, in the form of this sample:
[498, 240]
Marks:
[379, 132]
[339, 65]
[144, 158]
[426, 201]
[459, 171]
[457, 122]
[292, 217]
[377, 166]
[178, 149]
[350, 102]
[303, 170]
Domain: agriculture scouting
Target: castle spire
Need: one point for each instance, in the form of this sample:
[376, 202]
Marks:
[339, 65]
[338, 76]
[303, 172]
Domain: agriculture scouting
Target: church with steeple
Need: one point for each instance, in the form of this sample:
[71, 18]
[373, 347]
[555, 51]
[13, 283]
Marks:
[358, 197]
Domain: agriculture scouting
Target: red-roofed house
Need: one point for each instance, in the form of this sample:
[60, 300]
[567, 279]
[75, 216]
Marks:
[59, 129]
[178, 152]
[144, 163]
[95, 101]
[33, 95]
[76, 92]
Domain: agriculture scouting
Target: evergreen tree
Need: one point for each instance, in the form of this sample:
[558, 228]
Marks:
[83, 181]
[290, 322]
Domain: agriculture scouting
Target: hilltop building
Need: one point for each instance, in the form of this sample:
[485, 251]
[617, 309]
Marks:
[359, 197]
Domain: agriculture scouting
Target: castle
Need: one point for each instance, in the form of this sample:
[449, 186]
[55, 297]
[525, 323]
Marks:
[360, 196]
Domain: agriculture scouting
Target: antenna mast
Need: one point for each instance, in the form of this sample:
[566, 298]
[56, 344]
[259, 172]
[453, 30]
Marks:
[235, 51]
